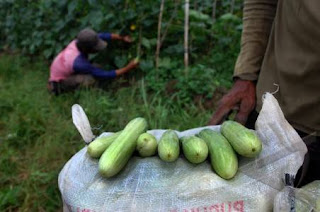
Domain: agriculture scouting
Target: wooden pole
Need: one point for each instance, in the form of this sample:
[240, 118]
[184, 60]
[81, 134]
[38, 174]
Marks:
[159, 33]
[186, 36]
[214, 8]
[232, 6]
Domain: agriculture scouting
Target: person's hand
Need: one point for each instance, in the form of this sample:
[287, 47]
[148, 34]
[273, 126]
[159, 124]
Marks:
[133, 64]
[243, 94]
[127, 39]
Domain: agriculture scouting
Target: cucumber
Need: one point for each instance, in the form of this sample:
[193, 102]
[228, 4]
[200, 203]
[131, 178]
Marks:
[119, 152]
[223, 158]
[194, 149]
[243, 140]
[169, 146]
[99, 145]
[146, 145]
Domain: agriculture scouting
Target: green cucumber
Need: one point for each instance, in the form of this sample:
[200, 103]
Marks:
[194, 149]
[119, 152]
[169, 146]
[100, 144]
[243, 140]
[146, 145]
[223, 158]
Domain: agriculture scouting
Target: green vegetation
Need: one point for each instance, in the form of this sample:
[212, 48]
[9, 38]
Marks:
[37, 136]
[45, 27]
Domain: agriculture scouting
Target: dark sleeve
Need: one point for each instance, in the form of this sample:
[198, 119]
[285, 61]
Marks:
[105, 36]
[82, 66]
[258, 16]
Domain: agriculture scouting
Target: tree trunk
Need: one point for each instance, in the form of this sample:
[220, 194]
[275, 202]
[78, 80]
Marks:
[186, 36]
[214, 8]
[232, 6]
[159, 33]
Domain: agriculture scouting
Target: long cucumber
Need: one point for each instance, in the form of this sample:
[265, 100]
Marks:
[119, 152]
[223, 158]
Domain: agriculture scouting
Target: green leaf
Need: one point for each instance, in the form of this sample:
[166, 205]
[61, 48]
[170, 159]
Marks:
[59, 26]
[96, 18]
[92, 2]
[229, 16]
[120, 61]
[153, 41]
[239, 27]
[47, 53]
[196, 15]
[72, 6]
[146, 43]
[165, 62]
[146, 65]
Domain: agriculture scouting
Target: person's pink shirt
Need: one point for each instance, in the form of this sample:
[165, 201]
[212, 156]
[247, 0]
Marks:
[62, 66]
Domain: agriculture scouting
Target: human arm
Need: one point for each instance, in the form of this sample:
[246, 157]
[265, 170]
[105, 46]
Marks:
[111, 36]
[83, 66]
[125, 38]
[258, 16]
[131, 65]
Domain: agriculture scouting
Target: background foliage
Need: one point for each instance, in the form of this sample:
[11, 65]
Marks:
[41, 27]
[37, 136]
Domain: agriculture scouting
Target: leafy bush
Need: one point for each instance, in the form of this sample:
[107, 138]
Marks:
[45, 27]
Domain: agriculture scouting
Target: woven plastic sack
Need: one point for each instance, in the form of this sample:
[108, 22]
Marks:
[149, 184]
[305, 199]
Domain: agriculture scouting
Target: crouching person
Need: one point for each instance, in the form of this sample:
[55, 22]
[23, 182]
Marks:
[71, 68]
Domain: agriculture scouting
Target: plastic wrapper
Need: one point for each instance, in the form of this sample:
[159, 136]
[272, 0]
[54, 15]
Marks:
[305, 199]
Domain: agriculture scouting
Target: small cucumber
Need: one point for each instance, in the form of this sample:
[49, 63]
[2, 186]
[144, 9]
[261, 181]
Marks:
[223, 158]
[194, 149]
[169, 146]
[146, 145]
[99, 145]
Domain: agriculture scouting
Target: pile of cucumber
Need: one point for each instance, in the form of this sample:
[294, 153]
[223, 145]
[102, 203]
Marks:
[116, 149]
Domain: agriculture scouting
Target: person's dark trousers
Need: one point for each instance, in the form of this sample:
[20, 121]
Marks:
[310, 169]
[71, 83]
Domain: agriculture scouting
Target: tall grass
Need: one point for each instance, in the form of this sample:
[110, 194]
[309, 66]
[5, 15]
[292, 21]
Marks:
[37, 136]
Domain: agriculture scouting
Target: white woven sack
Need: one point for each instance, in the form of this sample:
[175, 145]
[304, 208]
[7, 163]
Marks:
[149, 184]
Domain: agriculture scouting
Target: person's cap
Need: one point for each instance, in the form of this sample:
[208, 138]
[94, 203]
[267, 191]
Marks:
[89, 39]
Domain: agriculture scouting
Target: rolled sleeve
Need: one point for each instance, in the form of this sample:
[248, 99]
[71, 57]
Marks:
[258, 16]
